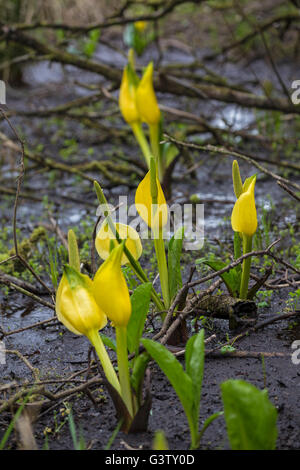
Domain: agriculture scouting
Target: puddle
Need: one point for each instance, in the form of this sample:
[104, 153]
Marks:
[43, 72]
[234, 117]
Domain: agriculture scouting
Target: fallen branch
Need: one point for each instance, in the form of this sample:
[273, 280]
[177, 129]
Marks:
[232, 153]
[259, 326]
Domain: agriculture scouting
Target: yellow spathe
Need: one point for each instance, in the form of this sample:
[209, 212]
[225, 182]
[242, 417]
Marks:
[146, 99]
[105, 237]
[127, 100]
[110, 289]
[155, 216]
[244, 217]
[75, 304]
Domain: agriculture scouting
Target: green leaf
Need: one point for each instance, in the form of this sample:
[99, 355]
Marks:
[74, 259]
[92, 42]
[169, 152]
[140, 301]
[174, 255]
[237, 250]
[247, 182]
[138, 373]
[160, 442]
[250, 416]
[180, 381]
[75, 278]
[194, 364]
[207, 422]
[230, 278]
[109, 342]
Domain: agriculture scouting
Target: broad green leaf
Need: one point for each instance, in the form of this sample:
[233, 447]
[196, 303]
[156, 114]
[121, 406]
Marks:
[180, 381]
[174, 255]
[194, 364]
[140, 301]
[250, 416]
[230, 278]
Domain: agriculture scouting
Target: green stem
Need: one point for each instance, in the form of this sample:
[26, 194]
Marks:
[247, 247]
[193, 432]
[109, 371]
[142, 141]
[237, 249]
[154, 140]
[237, 245]
[162, 267]
[158, 238]
[123, 366]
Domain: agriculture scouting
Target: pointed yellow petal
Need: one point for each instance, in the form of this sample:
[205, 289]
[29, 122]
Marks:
[127, 100]
[153, 216]
[105, 236]
[110, 289]
[146, 99]
[244, 217]
[76, 306]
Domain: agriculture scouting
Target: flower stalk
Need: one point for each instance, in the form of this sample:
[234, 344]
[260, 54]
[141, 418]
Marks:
[109, 371]
[158, 237]
[142, 141]
[155, 146]
[247, 247]
[123, 366]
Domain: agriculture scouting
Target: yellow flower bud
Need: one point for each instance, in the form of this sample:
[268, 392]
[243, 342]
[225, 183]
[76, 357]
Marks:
[244, 218]
[110, 289]
[76, 306]
[127, 99]
[143, 203]
[106, 237]
[146, 100]
[140, 25]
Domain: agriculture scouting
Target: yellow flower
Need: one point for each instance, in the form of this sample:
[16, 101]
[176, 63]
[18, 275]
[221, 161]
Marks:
[105, 237]
[140, 25]
[244, 217]
[143, 203]
[76, 306]
[127, 99]
[146, 100]
[110, 289]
